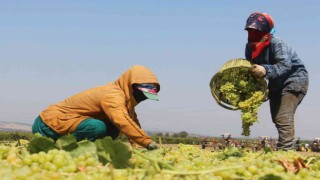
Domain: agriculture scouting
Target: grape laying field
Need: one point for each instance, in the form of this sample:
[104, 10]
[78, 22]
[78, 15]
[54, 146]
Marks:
[42, 159]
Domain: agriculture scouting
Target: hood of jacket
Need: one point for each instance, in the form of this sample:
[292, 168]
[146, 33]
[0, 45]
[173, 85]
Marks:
[135, 75]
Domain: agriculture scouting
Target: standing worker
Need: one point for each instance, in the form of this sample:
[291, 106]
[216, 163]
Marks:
[274, 60]
[103, 111]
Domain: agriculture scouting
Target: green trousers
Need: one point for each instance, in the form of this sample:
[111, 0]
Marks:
[90, 129]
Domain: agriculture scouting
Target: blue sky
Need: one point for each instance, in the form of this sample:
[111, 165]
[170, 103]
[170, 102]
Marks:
[53, 49]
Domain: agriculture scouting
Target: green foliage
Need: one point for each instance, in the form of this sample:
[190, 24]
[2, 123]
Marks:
[270, 177]
[83, 146]
[114, 151]
[39, 143]
[183, 134]
[231, 152]
[15, 136]
[67, 142]
[267, 150]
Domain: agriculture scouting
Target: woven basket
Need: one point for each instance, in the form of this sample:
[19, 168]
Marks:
[233, 66]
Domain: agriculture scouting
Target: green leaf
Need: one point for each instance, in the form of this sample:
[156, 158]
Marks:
[232, 151]
[157, 163]
[270, 177]
[39, 143]
[119, 152]
[83, 147]
[267, 150]
[104, 157]
[67, 142]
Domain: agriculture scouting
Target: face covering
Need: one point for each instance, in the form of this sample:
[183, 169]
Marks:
[138, 94]
[258, 41]
[145, 91]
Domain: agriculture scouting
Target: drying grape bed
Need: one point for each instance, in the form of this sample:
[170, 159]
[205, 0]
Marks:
[42, 158]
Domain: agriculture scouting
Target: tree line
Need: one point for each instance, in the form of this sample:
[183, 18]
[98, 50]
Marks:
[164, 138]
[15, 136]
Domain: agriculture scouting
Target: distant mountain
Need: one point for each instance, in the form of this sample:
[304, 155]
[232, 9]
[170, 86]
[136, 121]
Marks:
[13, 126]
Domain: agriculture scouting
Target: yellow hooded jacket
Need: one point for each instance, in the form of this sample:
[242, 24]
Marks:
[112, 102]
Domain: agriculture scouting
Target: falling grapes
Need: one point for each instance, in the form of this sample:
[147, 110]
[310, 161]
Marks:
[240, 89]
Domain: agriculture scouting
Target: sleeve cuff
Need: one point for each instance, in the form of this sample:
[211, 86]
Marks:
[266, 67]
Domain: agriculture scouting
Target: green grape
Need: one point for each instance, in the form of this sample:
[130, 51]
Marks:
[27, 160]
[71, 168]
[81, 163]
[58, 160]
[35, 157]
[91, 161]
[253, 169]
[247, 174]
[48, 157]
[81, 158]
[53, 151]
[35, 167]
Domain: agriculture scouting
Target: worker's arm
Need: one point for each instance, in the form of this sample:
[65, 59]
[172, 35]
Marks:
[136, 120]
[114, 105]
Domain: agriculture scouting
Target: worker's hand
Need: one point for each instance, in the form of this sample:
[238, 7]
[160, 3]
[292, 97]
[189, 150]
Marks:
[153, 145]
[258, 71]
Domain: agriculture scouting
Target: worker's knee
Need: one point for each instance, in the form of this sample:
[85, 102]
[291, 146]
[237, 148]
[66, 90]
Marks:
[100, 128]
[91, 129]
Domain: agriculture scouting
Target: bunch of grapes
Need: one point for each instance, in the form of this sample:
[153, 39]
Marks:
[240, 89]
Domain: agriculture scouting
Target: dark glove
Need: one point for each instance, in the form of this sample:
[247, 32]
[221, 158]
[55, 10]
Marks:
[258, 71]
[153, 145]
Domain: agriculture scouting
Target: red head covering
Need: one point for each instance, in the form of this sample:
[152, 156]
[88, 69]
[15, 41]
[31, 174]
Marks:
[259, 26]
[259, 21]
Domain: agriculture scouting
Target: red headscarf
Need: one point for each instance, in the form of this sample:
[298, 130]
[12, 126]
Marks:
[258, 41]
[259, 37]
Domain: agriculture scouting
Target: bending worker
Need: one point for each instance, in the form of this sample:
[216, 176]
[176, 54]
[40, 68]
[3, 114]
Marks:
[103, 111]
[274, 60]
